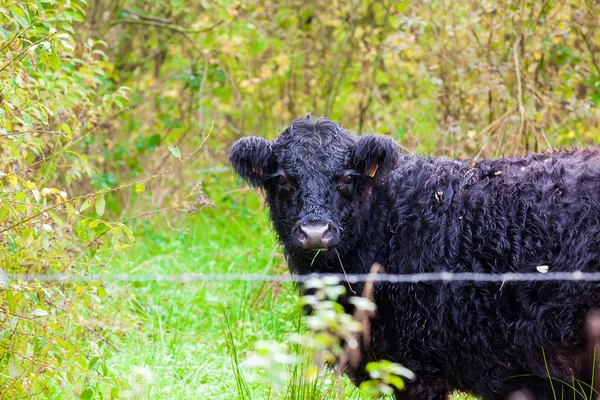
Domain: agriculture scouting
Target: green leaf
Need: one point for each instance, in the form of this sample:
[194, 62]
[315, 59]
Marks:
[19, 17]
[4, 281]
[362, 303]
[129, 234]
[67, 45]
[81, 231]
[100, 205]
[77, 388]
[175, 151]
[42, 115]
[139, 187]
[54, 60]
[19, 80]
[38, 312]
[48, 111]
[92, 362]
[66, 128]
[27, 119]
[13, 367]
[4, 33]
[70, 210]
[3, 213]
[86, 204]
[94, 224]
[396, 381]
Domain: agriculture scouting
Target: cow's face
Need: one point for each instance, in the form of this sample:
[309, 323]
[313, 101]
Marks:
[318, 178]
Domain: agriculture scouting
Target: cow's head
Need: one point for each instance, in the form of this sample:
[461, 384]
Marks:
[318, 179]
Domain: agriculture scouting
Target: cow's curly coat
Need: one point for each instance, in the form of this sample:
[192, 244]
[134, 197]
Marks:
[424, 214]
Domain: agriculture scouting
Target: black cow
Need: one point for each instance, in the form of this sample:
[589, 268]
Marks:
[365, 202]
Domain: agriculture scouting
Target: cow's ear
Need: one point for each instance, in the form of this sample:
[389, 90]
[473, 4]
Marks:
[251, 158]
[375, 155]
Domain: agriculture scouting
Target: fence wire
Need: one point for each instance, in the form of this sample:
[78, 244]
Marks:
[443, 277]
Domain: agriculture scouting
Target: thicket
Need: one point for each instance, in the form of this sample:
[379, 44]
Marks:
[96, 98]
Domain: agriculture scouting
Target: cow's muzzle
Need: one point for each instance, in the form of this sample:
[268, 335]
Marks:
[316, 235]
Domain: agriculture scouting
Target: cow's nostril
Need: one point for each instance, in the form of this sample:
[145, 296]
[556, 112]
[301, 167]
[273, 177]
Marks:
[299, 234]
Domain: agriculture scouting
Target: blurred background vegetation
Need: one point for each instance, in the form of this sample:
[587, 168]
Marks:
[112, 111]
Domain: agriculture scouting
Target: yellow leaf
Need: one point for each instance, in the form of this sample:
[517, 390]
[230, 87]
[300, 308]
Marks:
[264, 72]
[13, 180]
[171, 93]
[328, 21]
[283, 62]
[537, 54]
[28, 184]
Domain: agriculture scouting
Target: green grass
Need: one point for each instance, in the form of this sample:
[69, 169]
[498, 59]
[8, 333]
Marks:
[174, 337]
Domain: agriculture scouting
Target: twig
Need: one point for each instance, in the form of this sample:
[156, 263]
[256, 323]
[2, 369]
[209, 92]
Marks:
[85, 196]
[342, 265]
[201, 97]
[27, 396]
[519, 88]
[14, 133]
[16, 37]
[66, 146]
[43, 351]
[91, 242]
[591, 50]
[163, 24]
[105, 340]
[145, 214]
[492, 128]
[29, 47]
[351, 353]
[10, 341]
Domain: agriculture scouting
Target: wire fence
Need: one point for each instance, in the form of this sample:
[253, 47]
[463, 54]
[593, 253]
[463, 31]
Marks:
[440, 277]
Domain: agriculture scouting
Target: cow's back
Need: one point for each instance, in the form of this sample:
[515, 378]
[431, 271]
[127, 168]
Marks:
[494, 216]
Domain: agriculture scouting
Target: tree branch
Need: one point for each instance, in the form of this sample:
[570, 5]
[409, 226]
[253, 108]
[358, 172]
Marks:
[86, 196]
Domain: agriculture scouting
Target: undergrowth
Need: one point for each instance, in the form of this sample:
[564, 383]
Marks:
[191, 340]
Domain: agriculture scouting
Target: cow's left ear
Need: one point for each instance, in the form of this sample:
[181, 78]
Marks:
[375, 155]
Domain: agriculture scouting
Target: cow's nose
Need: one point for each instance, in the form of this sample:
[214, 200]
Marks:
[315, 235]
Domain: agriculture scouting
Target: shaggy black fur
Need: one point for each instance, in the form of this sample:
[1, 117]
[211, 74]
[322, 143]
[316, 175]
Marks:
[422, 214]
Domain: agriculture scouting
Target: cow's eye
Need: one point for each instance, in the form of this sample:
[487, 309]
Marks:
[284, 184]
[347, 179]
[281, 180]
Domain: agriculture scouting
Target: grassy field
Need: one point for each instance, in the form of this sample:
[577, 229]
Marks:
[173, 337]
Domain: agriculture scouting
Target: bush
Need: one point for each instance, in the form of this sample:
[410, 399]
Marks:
[54, 98]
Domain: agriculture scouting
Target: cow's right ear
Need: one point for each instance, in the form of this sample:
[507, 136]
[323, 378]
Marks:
[251, 157]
